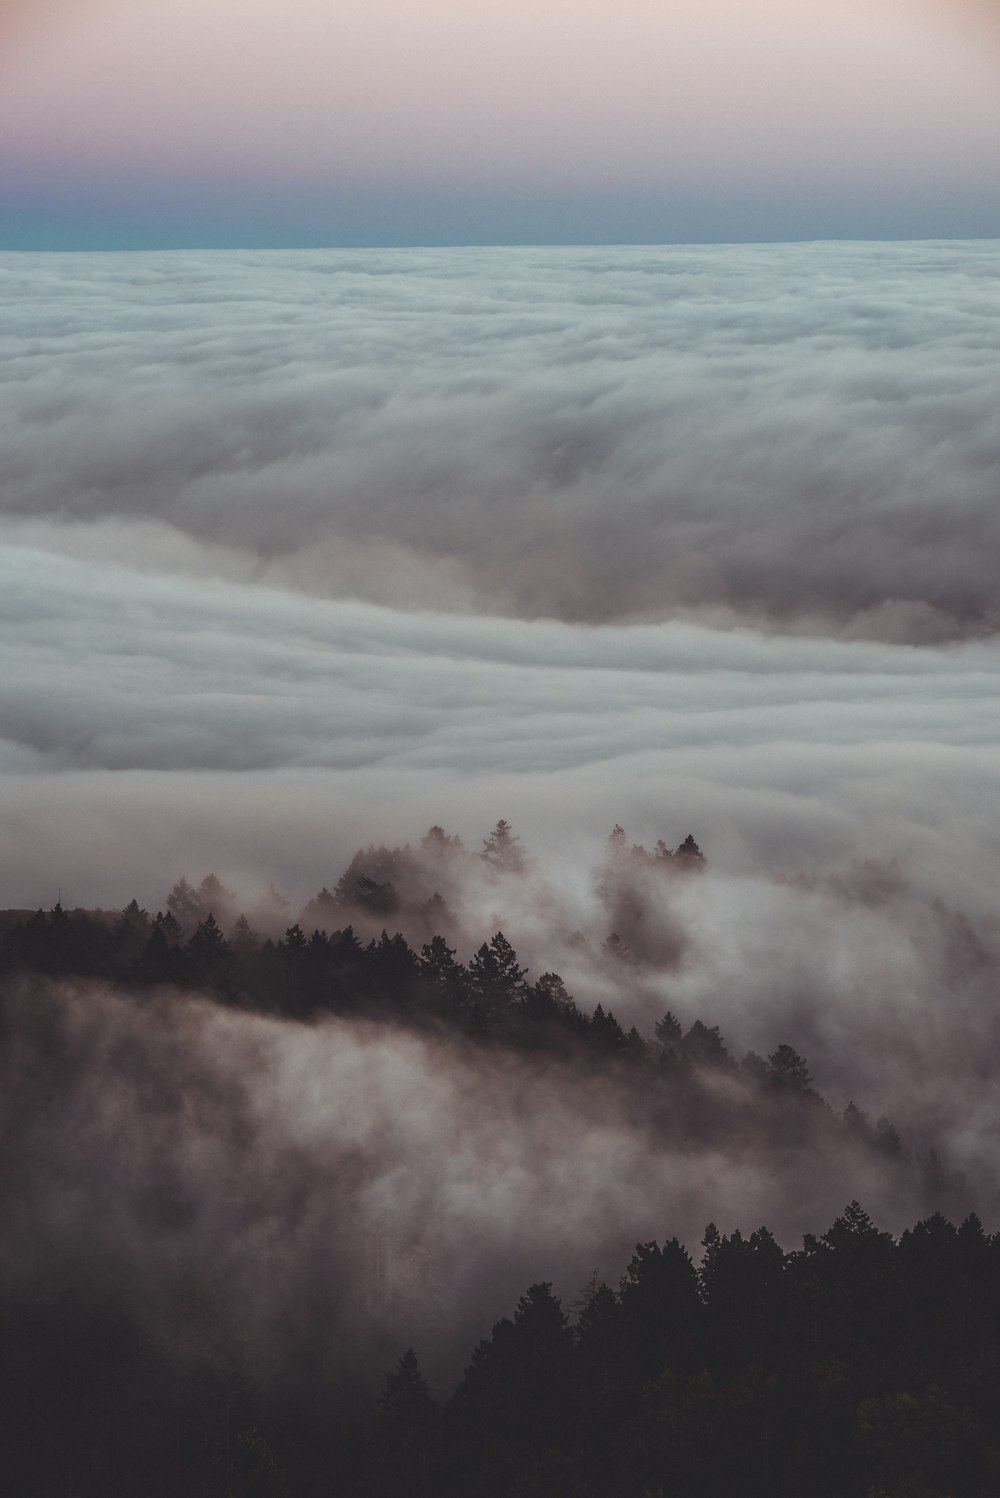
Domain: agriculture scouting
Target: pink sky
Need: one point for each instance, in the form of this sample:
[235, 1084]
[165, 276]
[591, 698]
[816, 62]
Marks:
[605, 97]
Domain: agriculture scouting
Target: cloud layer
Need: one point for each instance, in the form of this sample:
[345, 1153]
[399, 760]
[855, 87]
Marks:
[801, 436]
[268, 732]
[301, 551]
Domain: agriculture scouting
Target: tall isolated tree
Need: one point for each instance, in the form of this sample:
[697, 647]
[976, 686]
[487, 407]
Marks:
[502, 849]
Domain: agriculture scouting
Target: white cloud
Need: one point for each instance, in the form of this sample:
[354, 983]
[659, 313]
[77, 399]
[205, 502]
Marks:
[804, 435]
[796, 749]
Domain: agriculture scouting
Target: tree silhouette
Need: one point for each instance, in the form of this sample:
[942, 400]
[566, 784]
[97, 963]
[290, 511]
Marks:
[789, 1069]
[704, 1046]
[689, 857]
[183, 903]
[502, 849]
[667, 1031]
[443, 979]
[661, 1305]
[405, 1432]
[322, 912]
[214, 899]
[496, 982]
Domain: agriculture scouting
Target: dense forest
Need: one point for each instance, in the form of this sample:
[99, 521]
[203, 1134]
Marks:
[328, 961]
[859, 1366]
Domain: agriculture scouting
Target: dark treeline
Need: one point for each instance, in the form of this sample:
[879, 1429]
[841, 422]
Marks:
[858, 1366]
[682, 1079]
[203, 939]
[337, 956]
[320, 967]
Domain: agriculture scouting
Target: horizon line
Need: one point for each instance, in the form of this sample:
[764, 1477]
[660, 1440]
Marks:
[240, 246]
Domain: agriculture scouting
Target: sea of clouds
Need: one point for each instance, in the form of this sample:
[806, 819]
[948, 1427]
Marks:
[306, 549]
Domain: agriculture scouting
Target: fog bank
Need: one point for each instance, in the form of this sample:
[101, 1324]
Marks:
[796, 435]
[334, 1193]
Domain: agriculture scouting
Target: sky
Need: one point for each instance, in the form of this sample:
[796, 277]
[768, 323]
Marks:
[394, 122]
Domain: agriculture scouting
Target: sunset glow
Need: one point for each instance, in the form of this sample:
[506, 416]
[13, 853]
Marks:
[338, 121]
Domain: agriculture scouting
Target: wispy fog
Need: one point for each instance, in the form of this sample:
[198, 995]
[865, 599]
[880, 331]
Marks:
[289, 1194]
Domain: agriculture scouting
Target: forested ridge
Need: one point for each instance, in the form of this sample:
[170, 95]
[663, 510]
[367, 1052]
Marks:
[857, 1366]
[321, 965]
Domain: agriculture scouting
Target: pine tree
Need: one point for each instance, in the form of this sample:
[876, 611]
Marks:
[184, 904]
[208, 945]
[170, 927]
[689, 858]
[497, 981]
[661, 1305]
[704, 1046]
[321, 912]
[789, 1069]
[502, 850]
[444, 980]
[668, 1031]
[243, 937]
[214, 899]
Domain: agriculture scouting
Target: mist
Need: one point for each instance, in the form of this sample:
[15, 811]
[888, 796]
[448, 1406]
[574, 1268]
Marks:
[301, 1196]
[331, 1192]
[304, 554]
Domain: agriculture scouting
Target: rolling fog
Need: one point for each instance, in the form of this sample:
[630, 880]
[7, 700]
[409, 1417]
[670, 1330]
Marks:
[305, 552]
